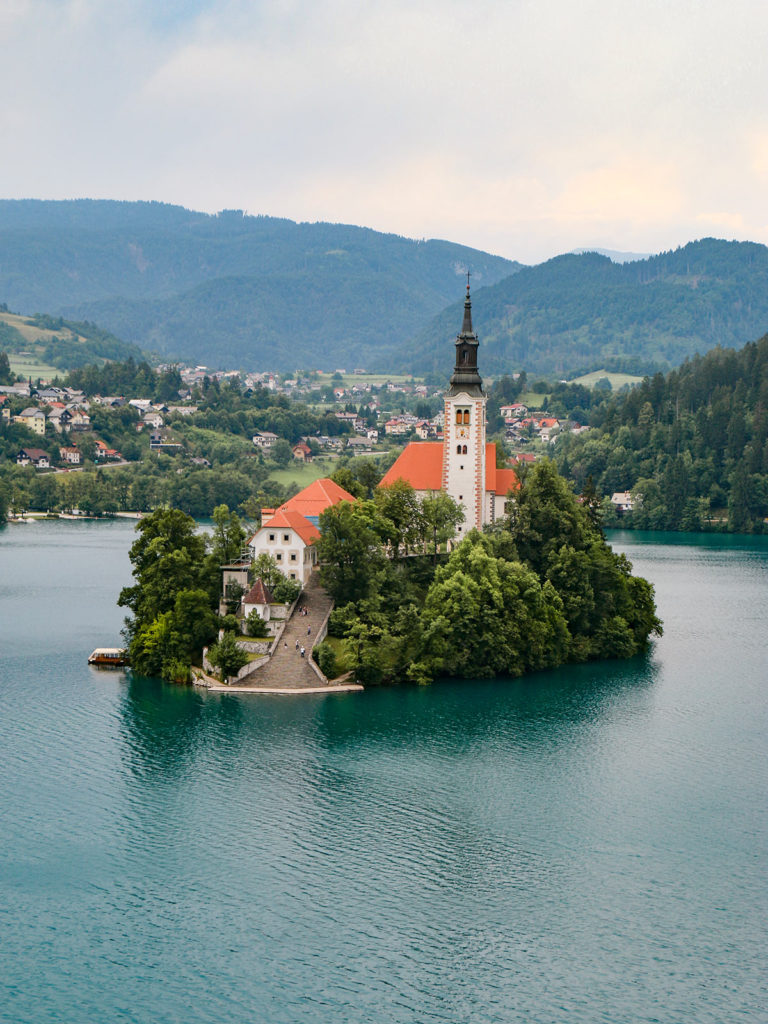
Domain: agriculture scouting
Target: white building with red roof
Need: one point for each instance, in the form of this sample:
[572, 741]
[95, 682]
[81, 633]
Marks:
[463, 465]
[288, 534]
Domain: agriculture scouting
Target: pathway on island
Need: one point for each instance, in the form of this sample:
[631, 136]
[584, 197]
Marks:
[287, 670]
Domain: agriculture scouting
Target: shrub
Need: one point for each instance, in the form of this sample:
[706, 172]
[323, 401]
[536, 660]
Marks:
[326, 659]
[286, 591]
[255, 626]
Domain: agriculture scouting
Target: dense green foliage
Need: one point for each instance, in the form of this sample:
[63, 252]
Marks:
[176, 572]
[229, 290]
[6, 376]
[539, 590]
[574, 314]
[692, 447]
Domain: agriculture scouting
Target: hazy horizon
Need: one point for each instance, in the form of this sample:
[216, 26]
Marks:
[524, 130]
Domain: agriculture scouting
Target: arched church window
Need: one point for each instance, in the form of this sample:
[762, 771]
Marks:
[466, 415]
[458, 415]
[458, 449]
[464, 450]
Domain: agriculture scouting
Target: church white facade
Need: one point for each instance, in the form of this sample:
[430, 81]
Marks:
[464, 465]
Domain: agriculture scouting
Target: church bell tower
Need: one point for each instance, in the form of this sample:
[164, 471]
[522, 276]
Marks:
[464, 429]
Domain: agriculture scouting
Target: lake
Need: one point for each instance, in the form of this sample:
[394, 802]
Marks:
[587, 845]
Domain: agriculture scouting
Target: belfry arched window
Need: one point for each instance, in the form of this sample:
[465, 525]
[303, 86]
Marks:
[464, 450]
[458, 415]
[466, 415]
[458, 449]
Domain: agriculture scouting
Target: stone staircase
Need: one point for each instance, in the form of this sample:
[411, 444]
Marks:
[286, 669]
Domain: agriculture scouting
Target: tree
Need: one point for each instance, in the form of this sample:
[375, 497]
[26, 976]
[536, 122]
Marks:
[172, 613]
[286, 591]
[441, 516]
[227, 656]
[486, 616]
[281, 452]
[401, 521]
[266, 569]
[350, 550]
[6, 376]
[255, 626]
[228, 538]
[167, 558]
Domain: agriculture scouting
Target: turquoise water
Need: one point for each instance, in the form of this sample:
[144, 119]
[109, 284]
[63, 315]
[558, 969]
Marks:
[585, 845]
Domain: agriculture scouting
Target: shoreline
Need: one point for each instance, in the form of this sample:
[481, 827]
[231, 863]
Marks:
[37, 517]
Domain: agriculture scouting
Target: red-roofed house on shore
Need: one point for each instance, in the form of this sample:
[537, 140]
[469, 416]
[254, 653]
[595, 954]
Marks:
[464, 464]
[288, 534]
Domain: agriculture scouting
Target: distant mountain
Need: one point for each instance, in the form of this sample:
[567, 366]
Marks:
[574, 314]
[615, 255]
[229, 289]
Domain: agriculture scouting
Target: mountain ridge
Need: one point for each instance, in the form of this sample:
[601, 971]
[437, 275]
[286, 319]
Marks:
[180, 282]
[580, 312]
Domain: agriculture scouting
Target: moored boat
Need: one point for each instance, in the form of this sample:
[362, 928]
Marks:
[109, 657]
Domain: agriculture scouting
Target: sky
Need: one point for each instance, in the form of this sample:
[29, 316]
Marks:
[526, 129]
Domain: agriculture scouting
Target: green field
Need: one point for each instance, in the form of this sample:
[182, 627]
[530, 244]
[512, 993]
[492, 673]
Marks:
[618, 380]
[30, 367]
[304, 473]
[532, 399]
[348, 379]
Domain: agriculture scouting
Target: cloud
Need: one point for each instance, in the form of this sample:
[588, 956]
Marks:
[526, 128]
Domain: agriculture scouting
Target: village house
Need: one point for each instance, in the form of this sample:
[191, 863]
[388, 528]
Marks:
[32, 418]
[49, 395]
[33, 457]
[103, 452]
[302, 452]
[162, 441]
[70, 455]
[548, 427]
[265, 439]
[622, 501]
[61, 418]
[79, 420]
[397, 427]
[514, 411]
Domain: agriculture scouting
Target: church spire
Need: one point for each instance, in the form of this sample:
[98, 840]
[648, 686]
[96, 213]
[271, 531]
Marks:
[466, 327]
[465, 378]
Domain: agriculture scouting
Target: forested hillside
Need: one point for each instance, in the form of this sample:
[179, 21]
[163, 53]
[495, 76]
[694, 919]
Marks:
[578, 313]
[230, 290]
[57, 343]
[692, 446]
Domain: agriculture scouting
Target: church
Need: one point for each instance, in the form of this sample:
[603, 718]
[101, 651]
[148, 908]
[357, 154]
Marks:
[463, 465]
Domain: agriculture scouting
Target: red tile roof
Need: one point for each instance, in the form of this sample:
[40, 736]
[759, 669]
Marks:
[420, 464]
[316, 498]
[292, 520]
[506, 481]
[258, 594]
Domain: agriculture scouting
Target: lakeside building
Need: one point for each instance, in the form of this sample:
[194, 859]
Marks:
[289, 532]
[463, 465]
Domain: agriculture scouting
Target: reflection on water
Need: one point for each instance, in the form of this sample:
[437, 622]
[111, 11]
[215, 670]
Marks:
[578, 845]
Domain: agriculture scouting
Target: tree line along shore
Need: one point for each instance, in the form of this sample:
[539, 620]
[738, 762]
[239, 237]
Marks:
[539, 589]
